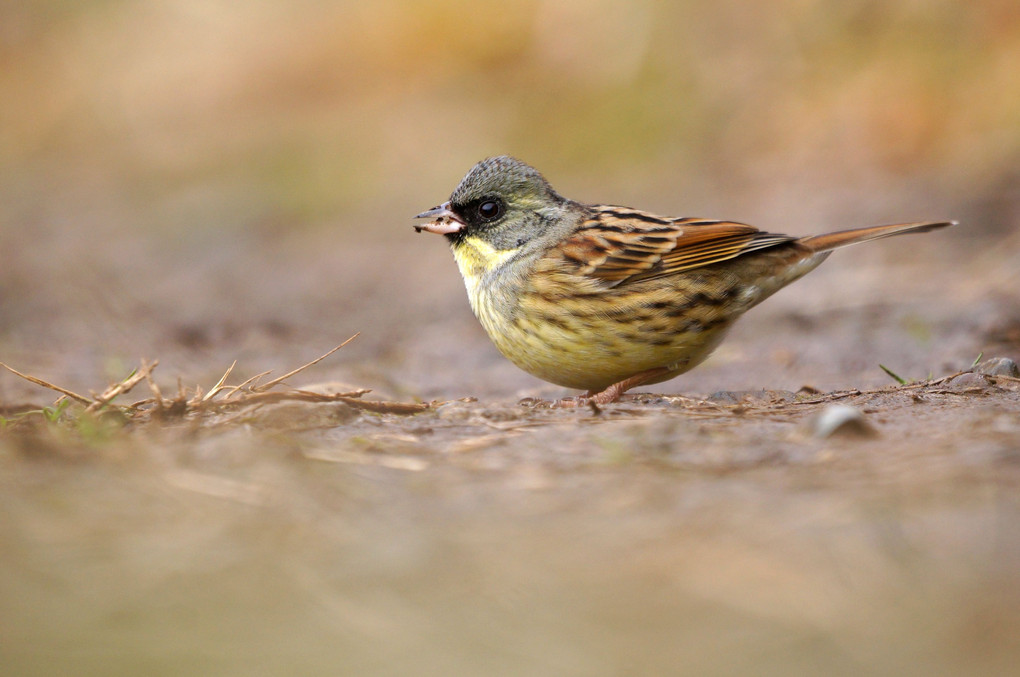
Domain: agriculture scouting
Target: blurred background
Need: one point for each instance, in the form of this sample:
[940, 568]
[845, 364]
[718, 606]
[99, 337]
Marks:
[201, 181]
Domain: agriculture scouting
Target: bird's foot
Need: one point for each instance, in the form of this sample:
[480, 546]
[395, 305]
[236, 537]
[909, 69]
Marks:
[610, 394]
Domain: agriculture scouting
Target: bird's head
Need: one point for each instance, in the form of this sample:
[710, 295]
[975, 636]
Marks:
[502, 201]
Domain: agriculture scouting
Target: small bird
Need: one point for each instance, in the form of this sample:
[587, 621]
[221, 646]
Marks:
[603, 298]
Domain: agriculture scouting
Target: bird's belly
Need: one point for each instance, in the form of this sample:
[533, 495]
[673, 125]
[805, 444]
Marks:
[590, 345]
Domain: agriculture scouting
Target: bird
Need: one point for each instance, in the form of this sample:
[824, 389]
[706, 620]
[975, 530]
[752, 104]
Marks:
[604, 298]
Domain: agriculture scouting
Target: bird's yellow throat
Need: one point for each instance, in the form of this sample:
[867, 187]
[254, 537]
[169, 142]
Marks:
[475, 257]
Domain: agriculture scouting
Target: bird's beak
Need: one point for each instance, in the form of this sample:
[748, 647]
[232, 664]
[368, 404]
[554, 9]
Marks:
[444, 220]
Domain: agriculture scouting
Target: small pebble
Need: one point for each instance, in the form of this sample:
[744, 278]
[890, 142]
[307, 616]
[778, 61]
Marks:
[998, 366]
[968, 381]
[843, 420]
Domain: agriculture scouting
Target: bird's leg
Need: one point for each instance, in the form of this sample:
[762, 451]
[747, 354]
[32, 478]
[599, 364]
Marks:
[613, 392]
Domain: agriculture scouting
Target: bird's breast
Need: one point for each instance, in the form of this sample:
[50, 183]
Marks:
[490, 288]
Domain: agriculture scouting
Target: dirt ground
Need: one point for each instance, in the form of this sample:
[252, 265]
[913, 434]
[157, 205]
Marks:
[255, 207]
[714, 529]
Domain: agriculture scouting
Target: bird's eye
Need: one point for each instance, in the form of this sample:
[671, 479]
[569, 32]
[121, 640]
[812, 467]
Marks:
[489, 210]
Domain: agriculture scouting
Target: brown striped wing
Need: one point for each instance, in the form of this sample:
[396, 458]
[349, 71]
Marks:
[619, 244]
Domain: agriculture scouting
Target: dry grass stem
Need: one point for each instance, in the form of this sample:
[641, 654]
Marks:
[124, 386]
[244, 384]
[219, 384]
[201, 403]
[39, 382]
[267, 386]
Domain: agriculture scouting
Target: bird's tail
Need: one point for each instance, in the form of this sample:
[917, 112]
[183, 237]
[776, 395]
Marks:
[842, 238]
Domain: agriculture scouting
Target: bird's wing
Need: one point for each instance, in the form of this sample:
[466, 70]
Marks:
[618, 244]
